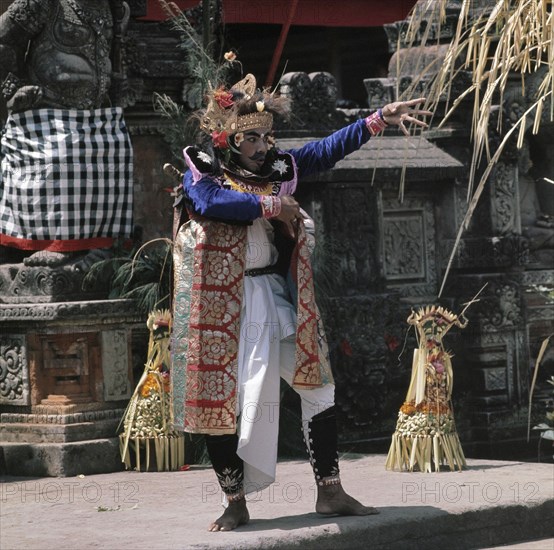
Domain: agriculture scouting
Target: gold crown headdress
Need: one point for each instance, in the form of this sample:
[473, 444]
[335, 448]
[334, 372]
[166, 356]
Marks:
[222, 110]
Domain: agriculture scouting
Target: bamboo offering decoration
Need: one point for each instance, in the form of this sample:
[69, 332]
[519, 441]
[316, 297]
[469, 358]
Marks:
[148, 420]
[425, 436]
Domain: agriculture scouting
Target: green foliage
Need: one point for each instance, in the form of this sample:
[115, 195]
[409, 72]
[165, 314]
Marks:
[180, 130]
[143, 275]
[200, 66]
[202, 72]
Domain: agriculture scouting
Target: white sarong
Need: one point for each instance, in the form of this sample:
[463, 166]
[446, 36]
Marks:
[266, 354]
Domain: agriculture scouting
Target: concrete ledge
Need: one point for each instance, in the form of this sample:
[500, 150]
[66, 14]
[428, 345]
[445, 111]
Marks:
[489, 504]
[60, 459]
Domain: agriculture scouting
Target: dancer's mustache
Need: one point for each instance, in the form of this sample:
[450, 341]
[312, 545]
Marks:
[257, 156]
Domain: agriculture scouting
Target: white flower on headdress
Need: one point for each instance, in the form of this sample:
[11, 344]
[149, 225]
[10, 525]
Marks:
[204, 157]
[260, 105]
[230, 56]
[279, 166]
[239, 138]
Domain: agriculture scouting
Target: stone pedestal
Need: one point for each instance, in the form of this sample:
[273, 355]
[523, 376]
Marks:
[22, 284]
[65, 380]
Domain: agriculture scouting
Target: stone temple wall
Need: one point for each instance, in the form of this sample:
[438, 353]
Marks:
[379, 254]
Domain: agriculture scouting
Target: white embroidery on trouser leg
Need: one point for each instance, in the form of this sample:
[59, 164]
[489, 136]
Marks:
[314, 402]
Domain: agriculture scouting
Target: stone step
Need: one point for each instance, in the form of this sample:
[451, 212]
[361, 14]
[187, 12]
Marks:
[57, 433]
[60, 459]
[489, 504]
[47, 417]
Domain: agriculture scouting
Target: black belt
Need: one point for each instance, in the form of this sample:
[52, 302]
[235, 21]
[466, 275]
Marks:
[261, 271]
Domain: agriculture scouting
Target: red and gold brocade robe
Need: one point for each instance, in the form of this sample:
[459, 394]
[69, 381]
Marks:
[209, 265]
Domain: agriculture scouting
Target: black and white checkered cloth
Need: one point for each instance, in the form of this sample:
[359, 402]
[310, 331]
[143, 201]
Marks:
[66, 174]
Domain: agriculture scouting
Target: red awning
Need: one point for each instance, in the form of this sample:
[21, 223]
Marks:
[324, 13]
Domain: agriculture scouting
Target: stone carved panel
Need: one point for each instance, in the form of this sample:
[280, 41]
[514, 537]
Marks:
[73, 356]
[494, 379]
[542, 277]
[408, 244]
[485, 252]
[14, 371]
[360, 332]
[505, 200]
[379, 91]
[106, 309]
[488, 350]
[397, 32]
[500, 302]
[349, 206]
[66, 369]
[115, 365]
[480, 223]
[313, 99]
[496, 341]
[404, 245]
[23, 284]
[500, 307]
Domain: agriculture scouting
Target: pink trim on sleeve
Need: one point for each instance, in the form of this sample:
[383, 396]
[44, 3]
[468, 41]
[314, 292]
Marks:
[289, 187]
[196, 174]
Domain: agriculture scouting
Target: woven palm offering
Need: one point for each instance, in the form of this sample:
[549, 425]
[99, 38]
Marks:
[425, 436]
[148, 435]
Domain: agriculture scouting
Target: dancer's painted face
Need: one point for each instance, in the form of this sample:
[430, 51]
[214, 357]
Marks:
[253, 148]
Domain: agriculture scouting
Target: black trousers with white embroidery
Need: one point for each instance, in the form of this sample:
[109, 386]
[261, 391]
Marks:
[321, 443]
[228, 467]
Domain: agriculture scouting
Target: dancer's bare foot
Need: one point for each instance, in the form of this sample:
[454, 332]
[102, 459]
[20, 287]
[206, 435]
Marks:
[332, 499]
[235, 514]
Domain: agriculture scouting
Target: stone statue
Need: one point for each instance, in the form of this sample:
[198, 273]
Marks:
[66, 179]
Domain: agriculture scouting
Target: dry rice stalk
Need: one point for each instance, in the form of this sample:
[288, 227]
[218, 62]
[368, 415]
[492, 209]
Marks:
[479, 190]
[515, 37]
[542, 349]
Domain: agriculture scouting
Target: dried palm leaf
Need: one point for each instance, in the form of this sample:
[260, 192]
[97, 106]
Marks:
[479, 190]
[540, 355]
[514, 38]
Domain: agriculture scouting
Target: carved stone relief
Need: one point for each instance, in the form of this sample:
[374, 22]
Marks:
[488, 351]
[379, 91]
[66, 368]
[118, 310]
[408, 245]
[494, 379]
[22, 284]
[360, 340]
[14, 373]
[350, 206]
[115, 365]
[313, 99]
[500, 306]
[486, 252]
[505, 200]
[496, 342]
